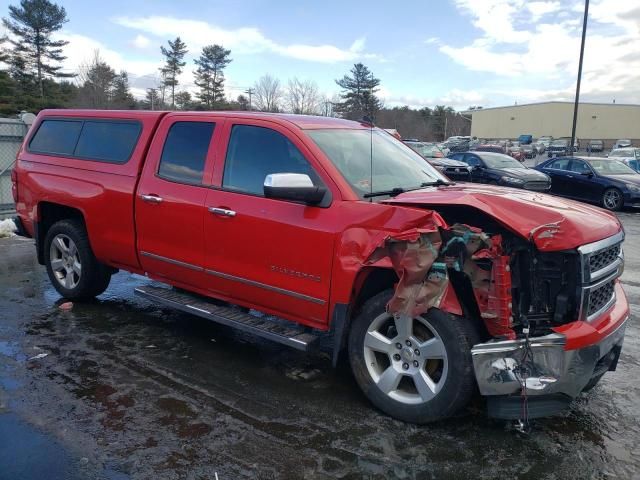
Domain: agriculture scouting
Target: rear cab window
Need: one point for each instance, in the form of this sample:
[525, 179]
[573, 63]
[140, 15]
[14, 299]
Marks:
[185, 152]
[111, 141]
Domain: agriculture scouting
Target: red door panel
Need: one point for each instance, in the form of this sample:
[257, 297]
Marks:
[271, 254]
[275, 255]
[170, 213]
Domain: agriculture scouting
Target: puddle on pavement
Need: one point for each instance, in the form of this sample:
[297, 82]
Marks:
[165, 395]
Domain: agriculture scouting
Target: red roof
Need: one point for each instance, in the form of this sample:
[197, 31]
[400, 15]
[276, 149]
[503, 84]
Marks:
[301, 121]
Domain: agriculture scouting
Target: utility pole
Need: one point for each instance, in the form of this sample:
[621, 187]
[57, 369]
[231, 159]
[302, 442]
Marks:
[575, 107]
[250, 92]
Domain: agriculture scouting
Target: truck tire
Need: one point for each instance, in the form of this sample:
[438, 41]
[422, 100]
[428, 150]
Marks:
[73, 269]
[418, 370]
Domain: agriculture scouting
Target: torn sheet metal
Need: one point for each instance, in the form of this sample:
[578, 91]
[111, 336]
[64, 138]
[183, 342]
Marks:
[422, 280]
[421, 260]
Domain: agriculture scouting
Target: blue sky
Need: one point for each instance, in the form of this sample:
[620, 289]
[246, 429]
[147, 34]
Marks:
[456, 52]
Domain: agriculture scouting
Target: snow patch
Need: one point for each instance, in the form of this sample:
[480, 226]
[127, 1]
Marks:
[7, 228]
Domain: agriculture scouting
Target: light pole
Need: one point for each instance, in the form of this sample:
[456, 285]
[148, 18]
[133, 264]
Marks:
[575, 107]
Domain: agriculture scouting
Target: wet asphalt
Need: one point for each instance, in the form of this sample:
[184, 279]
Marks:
[122, 389]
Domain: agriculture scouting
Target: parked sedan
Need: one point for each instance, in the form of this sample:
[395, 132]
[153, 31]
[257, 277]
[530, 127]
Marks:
[628, 156]
[558, 148]
[540, 148]
[499, 169]
[622, 143]
[609, 183]
[529, 151]
[517, 152]
[452, 168]
[595, 146]
[490, 147]
[425, 149]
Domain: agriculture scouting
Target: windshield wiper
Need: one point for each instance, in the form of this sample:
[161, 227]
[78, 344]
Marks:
[392, 193]
[436, 183]
[398, 190]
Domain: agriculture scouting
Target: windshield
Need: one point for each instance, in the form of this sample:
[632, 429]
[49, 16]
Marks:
[611, 167]
[622, 153]
[559, 143]
[394, 164]
[501, 161]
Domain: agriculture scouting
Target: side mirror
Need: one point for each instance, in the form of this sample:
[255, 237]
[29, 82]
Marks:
[296, 187]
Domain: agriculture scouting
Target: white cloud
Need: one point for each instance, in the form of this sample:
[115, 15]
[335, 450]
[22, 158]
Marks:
[245, 40]
[495, 18]
[143, 73]
[546, 53]
[539, 9]
[141, 41]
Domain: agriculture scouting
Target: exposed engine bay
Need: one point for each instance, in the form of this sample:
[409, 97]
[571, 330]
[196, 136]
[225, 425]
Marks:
[494, 274]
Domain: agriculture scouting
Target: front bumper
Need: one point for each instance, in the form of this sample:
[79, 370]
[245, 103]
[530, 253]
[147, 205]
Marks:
[558, 365]
[631, 199]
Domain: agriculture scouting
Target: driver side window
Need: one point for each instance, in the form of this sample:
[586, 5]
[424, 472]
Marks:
[578, 166]
[472, 160]
[255, 152]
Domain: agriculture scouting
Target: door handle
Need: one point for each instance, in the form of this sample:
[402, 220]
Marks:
[223, 212]
[153, 198]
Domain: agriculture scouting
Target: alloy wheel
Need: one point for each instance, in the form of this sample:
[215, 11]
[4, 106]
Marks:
[612, 199]
[406, 358]
[65, 261]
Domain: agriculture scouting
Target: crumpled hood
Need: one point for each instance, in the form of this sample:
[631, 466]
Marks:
[552, 223]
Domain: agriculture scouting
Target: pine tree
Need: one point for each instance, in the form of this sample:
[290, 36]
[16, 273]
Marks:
[7, 84]
[121, 97]
[183, 100]
[174, 61]
[32, 25]
[358, 93]
[210, 74]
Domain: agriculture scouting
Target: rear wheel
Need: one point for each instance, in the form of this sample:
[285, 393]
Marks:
[612, 199]
[415, 369]
[73, 269]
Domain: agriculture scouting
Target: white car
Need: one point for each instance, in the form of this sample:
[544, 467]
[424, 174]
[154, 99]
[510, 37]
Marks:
[629, 156]
[622, 143]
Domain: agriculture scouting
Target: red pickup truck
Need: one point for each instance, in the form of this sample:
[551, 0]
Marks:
[302, 229]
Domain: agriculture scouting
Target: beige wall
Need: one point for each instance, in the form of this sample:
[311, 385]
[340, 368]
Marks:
[611, 121]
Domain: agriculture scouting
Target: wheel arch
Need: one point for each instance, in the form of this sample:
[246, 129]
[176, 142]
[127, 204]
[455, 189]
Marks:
[48, 214]
[369, 281]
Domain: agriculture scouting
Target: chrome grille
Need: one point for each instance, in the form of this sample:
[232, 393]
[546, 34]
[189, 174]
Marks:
[600, 297]
[602, 263]
[603, 258]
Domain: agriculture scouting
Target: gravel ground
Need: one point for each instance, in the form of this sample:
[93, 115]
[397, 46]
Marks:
[121, 389]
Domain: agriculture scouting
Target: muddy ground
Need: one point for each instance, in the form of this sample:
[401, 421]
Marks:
[121, 389]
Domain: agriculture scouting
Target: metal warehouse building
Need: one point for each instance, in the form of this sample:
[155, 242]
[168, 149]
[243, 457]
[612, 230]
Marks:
[602, 121]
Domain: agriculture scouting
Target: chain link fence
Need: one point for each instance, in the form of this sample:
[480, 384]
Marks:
[12, 132]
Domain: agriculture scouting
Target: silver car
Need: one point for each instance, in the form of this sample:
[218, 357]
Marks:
[629, 156]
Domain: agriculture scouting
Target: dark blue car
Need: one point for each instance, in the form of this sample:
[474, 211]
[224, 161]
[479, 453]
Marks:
[603, 181]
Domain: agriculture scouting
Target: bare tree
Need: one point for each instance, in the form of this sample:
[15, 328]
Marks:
[302, 97]
[268, 94]
[96, 82]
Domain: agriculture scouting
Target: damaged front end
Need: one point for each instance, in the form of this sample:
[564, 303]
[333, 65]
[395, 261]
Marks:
[532, 304]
